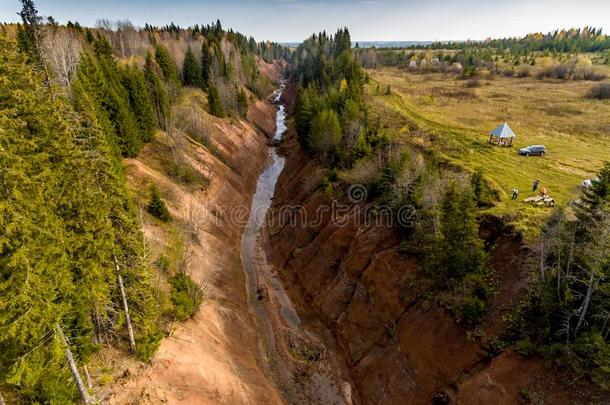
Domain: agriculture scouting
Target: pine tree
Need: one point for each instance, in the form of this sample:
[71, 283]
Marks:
[191, 71]
[214, 103]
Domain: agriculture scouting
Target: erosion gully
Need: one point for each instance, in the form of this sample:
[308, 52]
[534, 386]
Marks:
[294, 356]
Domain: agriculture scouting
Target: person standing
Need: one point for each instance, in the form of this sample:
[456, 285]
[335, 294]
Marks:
[543, 192]
[515, 193]
[535, 186]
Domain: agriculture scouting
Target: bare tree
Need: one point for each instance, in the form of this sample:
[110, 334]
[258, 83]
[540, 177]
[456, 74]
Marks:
[73, 368]
[104, 23]
[61, 52]
[596, 253]
[132, 341]
[195, 220]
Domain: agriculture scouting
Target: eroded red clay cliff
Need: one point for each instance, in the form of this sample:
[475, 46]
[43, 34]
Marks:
[350, 276]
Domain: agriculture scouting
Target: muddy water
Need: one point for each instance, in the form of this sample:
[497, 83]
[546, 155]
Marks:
[261, 201]
[285, 345]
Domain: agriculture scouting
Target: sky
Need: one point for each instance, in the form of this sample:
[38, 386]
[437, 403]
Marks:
[367, 20]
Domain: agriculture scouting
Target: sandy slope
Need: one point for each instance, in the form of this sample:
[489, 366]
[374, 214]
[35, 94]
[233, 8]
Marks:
[212, 358]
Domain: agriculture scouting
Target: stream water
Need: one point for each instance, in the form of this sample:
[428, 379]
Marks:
[277, 320]
[252, 256]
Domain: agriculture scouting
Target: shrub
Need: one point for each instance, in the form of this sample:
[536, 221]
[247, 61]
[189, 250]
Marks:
[156, 206]
[197, 125]
[525, 347]
[600, 91]
[483, 196]
[524, 71]
[561, 71]
[148, 342]
[524, 393]
[589, 74]
[186, 296]
[472, 83]
[184, 174]
[472, 309]
[162, 264]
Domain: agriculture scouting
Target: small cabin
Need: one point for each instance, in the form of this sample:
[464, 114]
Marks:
[502, 136]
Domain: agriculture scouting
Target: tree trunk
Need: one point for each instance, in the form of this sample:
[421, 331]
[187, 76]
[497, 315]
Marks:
[87, 376]
[74, 369]
[585, 304]
[2, 400]
[132, 341]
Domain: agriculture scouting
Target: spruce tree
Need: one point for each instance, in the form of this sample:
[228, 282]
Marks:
[158, 92]
[206, 64]
[115, 99]
[242, 102]
[191, 71]
[156, 206]
[459, 250]
[141, 101]
[166, 63]
[29, 35]
[214, 103]
[169, 72]
[65, 216]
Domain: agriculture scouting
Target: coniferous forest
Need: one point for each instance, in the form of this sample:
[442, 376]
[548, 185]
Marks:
[78, 104]
[73, 268]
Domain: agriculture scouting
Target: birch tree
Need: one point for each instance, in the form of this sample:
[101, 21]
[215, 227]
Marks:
[61, 52]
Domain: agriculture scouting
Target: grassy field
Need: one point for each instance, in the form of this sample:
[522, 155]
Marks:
[455, 120]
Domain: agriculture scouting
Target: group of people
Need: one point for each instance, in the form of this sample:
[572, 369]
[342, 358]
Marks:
[543, 191]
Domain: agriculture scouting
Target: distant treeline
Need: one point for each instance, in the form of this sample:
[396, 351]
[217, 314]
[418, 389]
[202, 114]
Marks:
[587, 39]
[267, 50]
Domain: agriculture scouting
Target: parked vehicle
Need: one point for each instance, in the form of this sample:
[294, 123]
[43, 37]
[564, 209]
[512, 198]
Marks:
[533, 150]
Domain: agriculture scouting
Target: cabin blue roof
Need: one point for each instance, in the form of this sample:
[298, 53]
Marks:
[503, 131]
